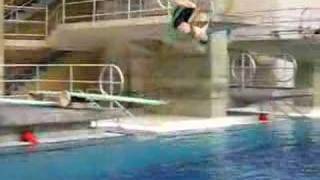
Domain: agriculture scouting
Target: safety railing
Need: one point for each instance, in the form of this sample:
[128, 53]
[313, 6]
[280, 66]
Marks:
[21, 22]
[9, 13]
[25, 21]
[281, 21]
[20, 79]
[54, 15]
[36, 22]
[96, 10]
[247, 71]
[276, 16]
[277, 23]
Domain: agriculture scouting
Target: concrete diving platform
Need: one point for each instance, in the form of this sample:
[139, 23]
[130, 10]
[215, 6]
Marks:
[15, 115]
[94, 35]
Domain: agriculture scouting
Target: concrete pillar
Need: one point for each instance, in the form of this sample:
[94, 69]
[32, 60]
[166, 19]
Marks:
[219, 59]
[316, 85]
[196, 84]
[1, 45]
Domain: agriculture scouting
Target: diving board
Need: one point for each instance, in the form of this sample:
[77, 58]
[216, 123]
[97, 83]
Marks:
[67, 97]
[29, 102]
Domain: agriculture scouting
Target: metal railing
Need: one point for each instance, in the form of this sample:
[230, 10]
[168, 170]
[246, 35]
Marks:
[36, 22]
[54, 16]
[278, 71]
[100, 78]
[10, 13]
[277, 23]
[25, 21]
[288, 21]
[96, 10]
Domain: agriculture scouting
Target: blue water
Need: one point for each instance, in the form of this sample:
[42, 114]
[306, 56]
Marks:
[282, 150]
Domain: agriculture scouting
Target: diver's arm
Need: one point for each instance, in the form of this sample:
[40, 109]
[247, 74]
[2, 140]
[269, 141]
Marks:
[185, 3]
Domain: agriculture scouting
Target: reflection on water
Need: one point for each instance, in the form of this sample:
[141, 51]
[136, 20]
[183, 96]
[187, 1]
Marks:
[280, 150]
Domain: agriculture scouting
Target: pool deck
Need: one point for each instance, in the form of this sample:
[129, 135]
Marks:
[172, 125]
[59, 137]
[151, 125]
[148, 125]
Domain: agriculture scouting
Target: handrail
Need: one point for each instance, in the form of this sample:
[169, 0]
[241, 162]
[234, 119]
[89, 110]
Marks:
[245, 58]
[261, 17]
[22, 6]
[113, 72]
[25, 7]
[24, 21]
[273, 10]
[82, 2]
[275, 14]
[22, 27]
[54, 10]
[101, 78]
[50, 23]
[114, 13]
[244, 70]
[283, 23]
[130, 12]
[56, 14]
[52, 65]
[164, 6]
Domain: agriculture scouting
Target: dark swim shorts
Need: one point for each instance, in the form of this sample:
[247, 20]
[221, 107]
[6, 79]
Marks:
[181, 14]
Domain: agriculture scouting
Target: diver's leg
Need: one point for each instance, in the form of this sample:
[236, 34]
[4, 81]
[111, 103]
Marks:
[200, 33]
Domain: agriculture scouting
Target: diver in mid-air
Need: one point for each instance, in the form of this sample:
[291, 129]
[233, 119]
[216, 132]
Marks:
[186, 20]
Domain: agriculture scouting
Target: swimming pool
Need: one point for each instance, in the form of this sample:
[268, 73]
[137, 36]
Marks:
[282, 150]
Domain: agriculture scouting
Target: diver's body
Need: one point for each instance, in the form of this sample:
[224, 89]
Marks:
[182, 17]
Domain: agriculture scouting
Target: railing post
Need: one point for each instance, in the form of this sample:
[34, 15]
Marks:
[16, 18]
[47, 21]
[63, 11]
[70, 78]
[129, 9]
[111, 84]
[243, 71]
[94, 9]
[37, 78]
[140, 8]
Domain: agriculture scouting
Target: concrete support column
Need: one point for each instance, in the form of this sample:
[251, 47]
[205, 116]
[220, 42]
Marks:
[1, 46]
[195, 84]
[219, 59]
[316, 85]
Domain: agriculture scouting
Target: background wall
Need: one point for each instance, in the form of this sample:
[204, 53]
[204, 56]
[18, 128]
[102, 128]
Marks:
[160, 71]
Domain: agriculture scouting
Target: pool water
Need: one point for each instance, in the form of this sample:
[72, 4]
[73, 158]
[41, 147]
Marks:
[283, 150]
